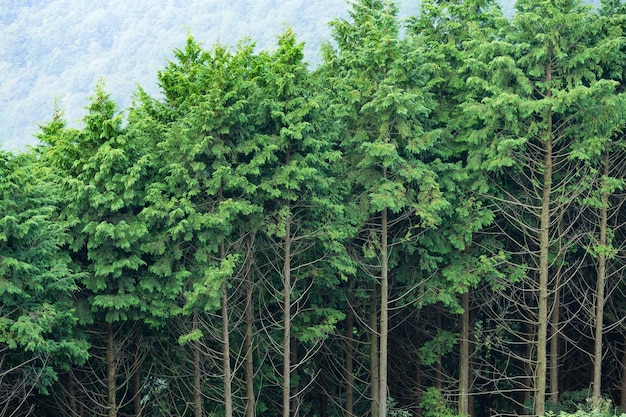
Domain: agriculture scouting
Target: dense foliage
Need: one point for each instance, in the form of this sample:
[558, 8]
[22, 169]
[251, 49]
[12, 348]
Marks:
[428, 224]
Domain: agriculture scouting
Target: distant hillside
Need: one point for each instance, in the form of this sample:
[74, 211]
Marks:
[56, 50]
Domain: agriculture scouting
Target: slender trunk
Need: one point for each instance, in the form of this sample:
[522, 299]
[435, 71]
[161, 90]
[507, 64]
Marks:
[250, 399]
[137, 393]
[554, 334]
[544, 261]
[374, 373]
[197, 387]
[600, 284]
[349, 355]
[528, 367]
[438, 373]
[623, 386]
[542, 310]
[111, 373]
[287, 320]
[464, 365]
[295, 398]
[418, 366]
[384, 320]
[228, 398]
[137, 376]
[471, 355]
[71, 388]
[323, 392]
[554, 349]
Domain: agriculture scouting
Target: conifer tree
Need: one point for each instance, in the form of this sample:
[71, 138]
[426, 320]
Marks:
[382, 86]
[534, 84]
[294, 158]
[102, 195]
[205, 196]
[37, 282]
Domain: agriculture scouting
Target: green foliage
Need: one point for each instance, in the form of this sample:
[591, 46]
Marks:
[578, 404]
[37, 318]
[434, 405]
[441, 129]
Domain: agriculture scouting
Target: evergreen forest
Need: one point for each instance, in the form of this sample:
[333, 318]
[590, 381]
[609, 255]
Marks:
[429, 223]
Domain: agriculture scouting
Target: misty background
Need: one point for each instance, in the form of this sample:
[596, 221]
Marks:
[53, 52]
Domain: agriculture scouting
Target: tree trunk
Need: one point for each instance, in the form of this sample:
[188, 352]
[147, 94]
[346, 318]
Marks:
[623, 386]
[464, 357]
[137, 375]
[528, 367]
[384, 320]
[287, 320]
[544, 261]
[554, 333]
[374, 373]
[323, 391]
[111, 373]
[250, 398]
[471, 366]
[600, 284]
[295, 397]
[418, 366]
[542, 311]
[71, 388]
[554, 349]
[197, 387]
[349, 355]
[228, 397]
[438, 373]
[137, 393]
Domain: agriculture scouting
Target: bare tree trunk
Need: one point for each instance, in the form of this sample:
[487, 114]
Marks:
[554, 349]
[464, 357]
[528, 368]
[71, 387]
[600, 297]
[623, 385]
[250, 398]
[197, 387]
[295, 397]
[349, 355]
[438, 372]
[137, 375]
[111, 373]
[323, 392]
[228, 397]
[471, 366]
[374, 373]
[418, 366]
[137, 393]
[287, 320]
[555, 332]
[544, 261]
[384, 319]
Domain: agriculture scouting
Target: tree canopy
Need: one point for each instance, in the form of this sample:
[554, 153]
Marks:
[428, 223]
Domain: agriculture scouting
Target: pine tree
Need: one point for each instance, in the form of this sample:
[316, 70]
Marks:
[37, 319]
[534, 84]
[382, 84]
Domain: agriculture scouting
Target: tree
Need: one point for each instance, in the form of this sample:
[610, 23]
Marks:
[102, 174]
[534, 86]
[383, 90]
[37, 282]
[445, 30]
[205, 196]
[295, 157]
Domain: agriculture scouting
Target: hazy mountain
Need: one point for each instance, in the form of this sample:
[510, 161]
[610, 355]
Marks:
[56, 50]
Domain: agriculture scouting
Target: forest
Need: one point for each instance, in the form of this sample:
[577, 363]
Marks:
[427, 224]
